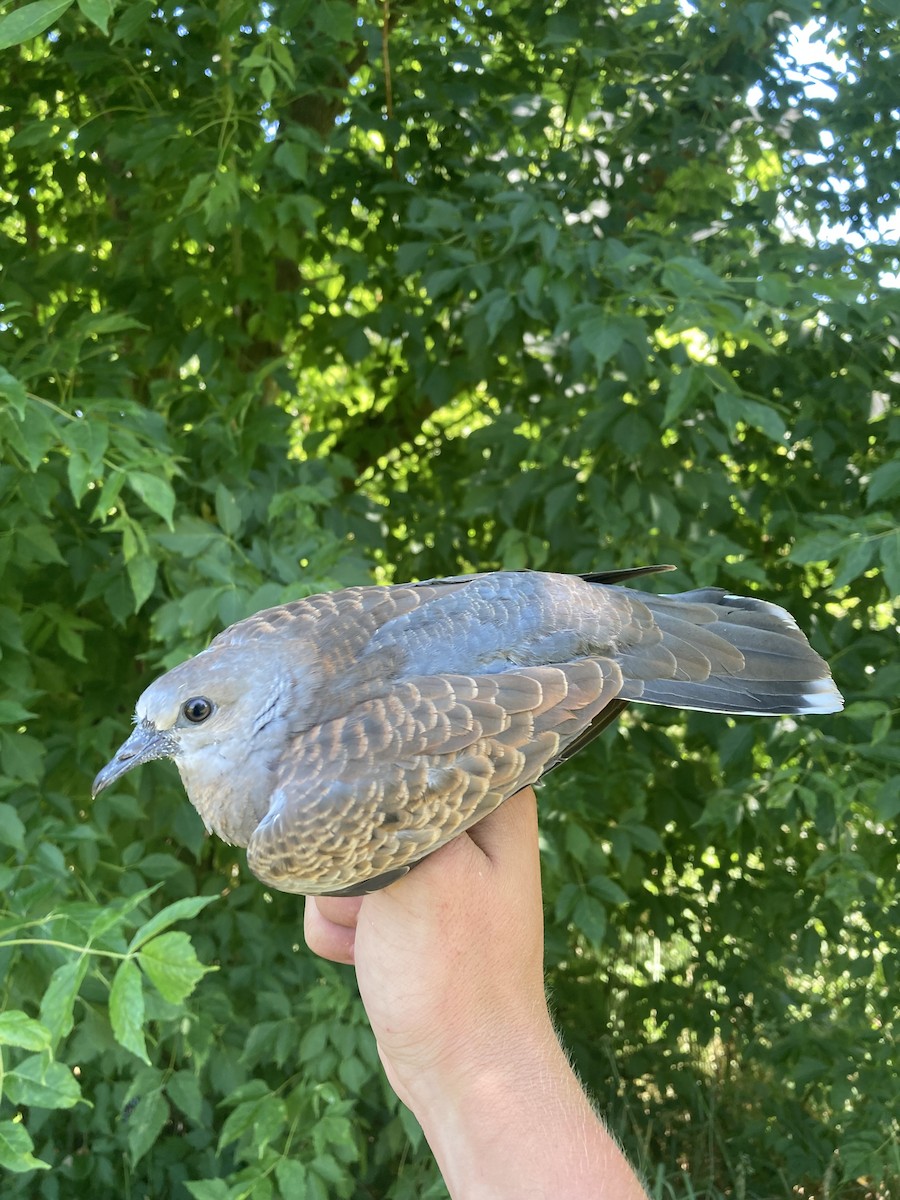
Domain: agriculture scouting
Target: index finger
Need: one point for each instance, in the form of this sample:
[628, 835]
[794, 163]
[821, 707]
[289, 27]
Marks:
[329, 926]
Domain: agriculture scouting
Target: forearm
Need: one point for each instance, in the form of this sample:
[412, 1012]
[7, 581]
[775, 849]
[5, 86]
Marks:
[518, 1126]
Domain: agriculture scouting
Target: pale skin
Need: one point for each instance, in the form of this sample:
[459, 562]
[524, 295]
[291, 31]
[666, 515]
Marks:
[449, 962]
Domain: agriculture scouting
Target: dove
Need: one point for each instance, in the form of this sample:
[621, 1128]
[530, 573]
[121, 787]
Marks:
[343, 737]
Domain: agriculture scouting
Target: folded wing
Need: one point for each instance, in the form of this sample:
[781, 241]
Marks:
[363, 797]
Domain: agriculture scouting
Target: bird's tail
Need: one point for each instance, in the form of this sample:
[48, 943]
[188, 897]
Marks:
[732, 654]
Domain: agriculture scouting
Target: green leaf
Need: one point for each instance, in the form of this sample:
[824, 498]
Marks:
[41, 545]
[239, 1121]
[18, 1029]
[442, 215]
[560, 501]
[680, 393]
[327, 1168]
[773, 291]
[172, 965]
[116, 913]
[221, 201]
[884, 482]
[607, 889]
[854, 561]
[109, 494]
[267, 82]
[108, 322]
[126, 1009]
[142, 577]
[736, 410]
[336, 19]
[80, 474]
[58, 1000]
[818, 547]
[45, 1084]
[198, 186]
[411, 257]
[21, 756]
[183, 1089]
[602, 336]
[533, 282]
[16, 1147]
[265, 1115]
[497, 313]
[305, 210]
[32, 436]
[12, 828]
[439, 282]
[155, 491]
[228, 512]
[135, 16]
[146, 1123]
[30, 20]
[313, 1042]
[98, 12]
[87, 441]
[10, 388]
[887, 801]
[214, 1189]
[589, 917]
[134, 539]
[292, 1177]
[178, 910]
[690, 276]
[14, 713]
[293, 159]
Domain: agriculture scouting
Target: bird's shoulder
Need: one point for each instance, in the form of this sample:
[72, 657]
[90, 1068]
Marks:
[354, 613]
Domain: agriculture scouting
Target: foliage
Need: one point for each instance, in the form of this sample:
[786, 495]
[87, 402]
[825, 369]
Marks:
[304, 294]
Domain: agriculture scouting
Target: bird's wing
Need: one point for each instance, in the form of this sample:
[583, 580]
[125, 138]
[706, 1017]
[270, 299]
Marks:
[350, 616]
[341, 621]
[362, 797]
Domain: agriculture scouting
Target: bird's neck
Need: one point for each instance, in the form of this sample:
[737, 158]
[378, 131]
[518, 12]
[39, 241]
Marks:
[227, 795]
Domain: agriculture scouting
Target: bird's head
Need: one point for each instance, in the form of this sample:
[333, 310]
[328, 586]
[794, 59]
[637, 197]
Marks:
[205, 708]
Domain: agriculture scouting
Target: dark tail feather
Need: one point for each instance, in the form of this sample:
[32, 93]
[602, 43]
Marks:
[623, 573]
[732, 654]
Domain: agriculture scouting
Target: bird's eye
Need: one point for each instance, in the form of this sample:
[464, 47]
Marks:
[197, 709]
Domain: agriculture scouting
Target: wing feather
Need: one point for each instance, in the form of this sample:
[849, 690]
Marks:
[363, 797]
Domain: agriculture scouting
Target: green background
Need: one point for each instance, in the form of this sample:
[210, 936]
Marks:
[316, 293]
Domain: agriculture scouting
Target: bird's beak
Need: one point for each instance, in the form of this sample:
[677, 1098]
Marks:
[146, 743]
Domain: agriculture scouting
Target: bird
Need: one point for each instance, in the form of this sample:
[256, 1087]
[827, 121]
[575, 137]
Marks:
[344, 737]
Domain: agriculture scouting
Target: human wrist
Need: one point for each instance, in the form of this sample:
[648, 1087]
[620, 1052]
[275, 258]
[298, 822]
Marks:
[510, 1053]
[490, 1115]
[512, 1121]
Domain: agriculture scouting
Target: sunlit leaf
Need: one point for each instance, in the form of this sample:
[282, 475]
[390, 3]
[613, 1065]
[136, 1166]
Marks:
[126, 1009]
[30, 20]
[170, 962]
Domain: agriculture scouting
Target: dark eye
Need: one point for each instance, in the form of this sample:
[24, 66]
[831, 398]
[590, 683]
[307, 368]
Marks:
[197, 709]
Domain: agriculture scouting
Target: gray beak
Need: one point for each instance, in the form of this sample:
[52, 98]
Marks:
[146, 743]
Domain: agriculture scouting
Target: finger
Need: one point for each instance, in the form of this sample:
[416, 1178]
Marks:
[327, 938]
[340, 910]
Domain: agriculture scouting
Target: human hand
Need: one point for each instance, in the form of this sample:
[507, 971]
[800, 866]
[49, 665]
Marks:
[449, 962]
